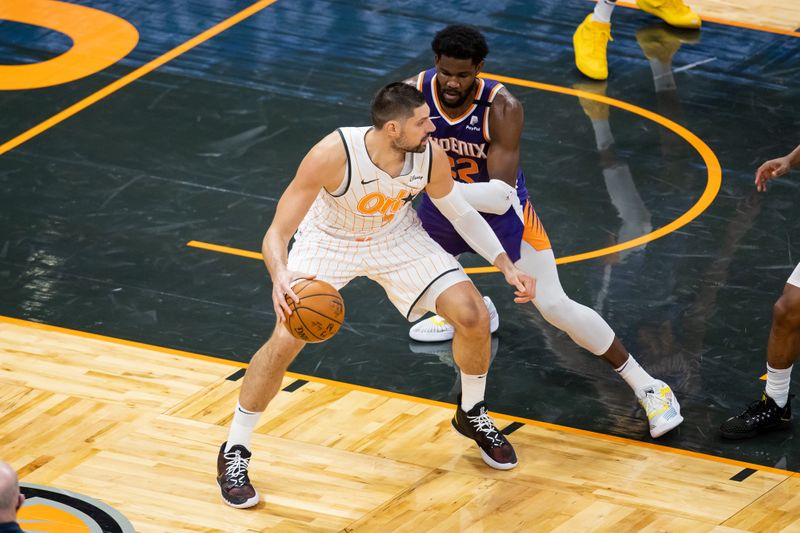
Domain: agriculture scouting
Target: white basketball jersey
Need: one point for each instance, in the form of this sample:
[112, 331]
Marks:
[369, 202]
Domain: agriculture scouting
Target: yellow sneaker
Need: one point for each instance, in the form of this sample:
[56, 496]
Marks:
[592, 108]
[673, 12]
[590, 42]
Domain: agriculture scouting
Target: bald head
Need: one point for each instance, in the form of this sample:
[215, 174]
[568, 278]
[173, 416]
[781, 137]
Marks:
[9, 492]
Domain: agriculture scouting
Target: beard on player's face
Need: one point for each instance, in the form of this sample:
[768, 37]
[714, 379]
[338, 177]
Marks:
[462, 96]
[405, 145]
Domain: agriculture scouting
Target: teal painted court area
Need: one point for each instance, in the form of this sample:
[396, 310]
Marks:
[98, 209]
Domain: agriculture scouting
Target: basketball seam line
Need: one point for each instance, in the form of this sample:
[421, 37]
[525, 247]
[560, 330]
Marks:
[306, 328]
[320, 314]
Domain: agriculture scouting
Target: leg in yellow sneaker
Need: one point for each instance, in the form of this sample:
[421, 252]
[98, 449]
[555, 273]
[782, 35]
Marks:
[590, 42]
[673, 12]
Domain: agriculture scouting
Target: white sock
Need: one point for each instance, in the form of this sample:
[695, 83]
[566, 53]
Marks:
[602, 133]
[778, 384]
[473, 389]
[603, 9]
[244, 422]
[634, 375]
[663, 78]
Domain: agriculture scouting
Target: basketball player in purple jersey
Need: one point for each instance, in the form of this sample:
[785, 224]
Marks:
[479, 126]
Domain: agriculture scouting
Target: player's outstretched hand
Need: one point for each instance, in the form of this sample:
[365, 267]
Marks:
[525, 285]
[281, 288]
[771, 169]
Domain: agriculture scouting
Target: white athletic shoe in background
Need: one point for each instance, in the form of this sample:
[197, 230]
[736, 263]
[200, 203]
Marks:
[437, 329]
[661, 406]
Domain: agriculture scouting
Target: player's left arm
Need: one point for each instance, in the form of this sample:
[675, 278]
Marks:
[472, 227]
[506, 118]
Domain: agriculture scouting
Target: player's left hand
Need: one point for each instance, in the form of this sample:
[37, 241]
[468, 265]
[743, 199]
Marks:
[525, 285]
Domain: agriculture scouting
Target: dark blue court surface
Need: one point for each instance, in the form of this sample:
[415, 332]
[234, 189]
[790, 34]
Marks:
[97, 210]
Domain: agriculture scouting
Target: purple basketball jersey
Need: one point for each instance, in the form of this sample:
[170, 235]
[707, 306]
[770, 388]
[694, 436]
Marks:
[467, 139]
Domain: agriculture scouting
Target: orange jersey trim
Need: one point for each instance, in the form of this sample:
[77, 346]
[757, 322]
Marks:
[486, 135]
[439, 106]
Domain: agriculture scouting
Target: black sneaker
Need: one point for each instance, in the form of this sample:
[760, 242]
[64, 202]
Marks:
[760, 416]
[476, 424]
[232, 477]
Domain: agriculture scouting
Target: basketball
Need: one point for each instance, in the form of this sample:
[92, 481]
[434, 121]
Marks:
[319, 313]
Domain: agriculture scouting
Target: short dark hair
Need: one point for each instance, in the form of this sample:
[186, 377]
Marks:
[395, 101]
[460, 42]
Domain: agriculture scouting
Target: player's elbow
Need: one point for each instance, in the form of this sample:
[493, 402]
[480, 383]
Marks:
[495, 197]
[275, 234]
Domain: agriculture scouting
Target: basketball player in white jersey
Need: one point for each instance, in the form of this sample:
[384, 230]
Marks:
[350, 206]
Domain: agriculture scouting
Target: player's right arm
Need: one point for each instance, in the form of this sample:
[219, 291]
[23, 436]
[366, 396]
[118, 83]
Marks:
[322, 167]
[413, 80]
[776, 167]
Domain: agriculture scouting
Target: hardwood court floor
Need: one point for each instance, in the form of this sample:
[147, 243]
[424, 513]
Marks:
[138, 427]
[768, 13]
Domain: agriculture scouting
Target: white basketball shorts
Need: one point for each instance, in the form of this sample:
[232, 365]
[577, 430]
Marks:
[410, 266]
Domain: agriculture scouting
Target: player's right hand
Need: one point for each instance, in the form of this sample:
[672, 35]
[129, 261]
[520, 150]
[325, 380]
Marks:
[282, 289]
[771, 169]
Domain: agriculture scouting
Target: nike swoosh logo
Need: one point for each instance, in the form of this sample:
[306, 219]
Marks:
[370, 181]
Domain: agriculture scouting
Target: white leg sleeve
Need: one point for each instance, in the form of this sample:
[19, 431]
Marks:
[582, 324]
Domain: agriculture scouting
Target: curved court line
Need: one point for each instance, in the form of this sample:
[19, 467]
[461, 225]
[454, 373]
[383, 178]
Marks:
[99, 40]
[390, 394]
[135, 75]
[712, 164]
[713, 181]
